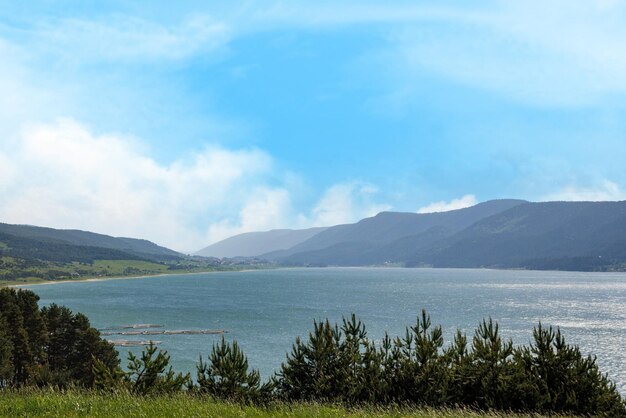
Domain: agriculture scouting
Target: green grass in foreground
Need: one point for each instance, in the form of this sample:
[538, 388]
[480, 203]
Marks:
[77, 404]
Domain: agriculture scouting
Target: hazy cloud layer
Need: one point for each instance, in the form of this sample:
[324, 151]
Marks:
[62, 175]
[573, 55]
[443, 206]
[605, 190]
[343, 203]
[126, 38]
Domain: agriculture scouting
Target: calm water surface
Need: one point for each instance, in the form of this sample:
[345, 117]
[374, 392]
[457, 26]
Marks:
[266, 310]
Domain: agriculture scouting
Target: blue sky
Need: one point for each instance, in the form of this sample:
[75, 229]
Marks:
[186, 123]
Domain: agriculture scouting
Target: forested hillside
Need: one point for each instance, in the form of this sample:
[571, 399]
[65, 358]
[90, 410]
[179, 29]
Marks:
[30, 254]
[588, 236]
[85, 238]
[547, 235]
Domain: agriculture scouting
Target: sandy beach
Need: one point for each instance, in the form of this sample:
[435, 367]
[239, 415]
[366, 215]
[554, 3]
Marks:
[143, 276]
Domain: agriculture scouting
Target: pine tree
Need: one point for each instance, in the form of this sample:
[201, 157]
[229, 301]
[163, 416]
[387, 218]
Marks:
[226, 375]
[568, 381]
[490, 370]
[72, 345]
[6, 350]
[429, 382]
[33, 324]
[294, 379]
[321, 358]
[147, 374]
[22, 356]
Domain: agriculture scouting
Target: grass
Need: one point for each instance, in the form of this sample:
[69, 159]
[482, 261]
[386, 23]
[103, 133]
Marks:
[89, 404]
[51, 271]
[41, 272]
[124, 267]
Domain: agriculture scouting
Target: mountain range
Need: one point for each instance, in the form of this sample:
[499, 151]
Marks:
[66, 245]
[252, 244]
[507, 233]
[494, 234]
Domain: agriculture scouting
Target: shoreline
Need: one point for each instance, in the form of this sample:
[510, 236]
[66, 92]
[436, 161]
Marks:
[142, 276]
[146, 276]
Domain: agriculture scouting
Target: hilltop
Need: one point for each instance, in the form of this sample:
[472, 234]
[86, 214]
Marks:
[32, 253]
[508, 233]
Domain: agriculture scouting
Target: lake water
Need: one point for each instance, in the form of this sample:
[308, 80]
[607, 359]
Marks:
[265, 310]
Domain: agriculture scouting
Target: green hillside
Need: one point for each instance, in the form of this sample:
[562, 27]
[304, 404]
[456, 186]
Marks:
[550, 235]
[584, 236]
[370, 235]
[86, 239]
[45, 254]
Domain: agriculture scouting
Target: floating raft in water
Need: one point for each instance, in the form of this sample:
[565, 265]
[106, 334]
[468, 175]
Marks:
[130, 343]
[134, 326]
[167, 332]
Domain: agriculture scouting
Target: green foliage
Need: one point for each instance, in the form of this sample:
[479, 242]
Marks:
[26, 356]
[50, 346]
[60, 251]
[566, 379]
[6, 358]
[31, 254]
[72, 346]
[487, 377]
[226, 375]
[146, 374]
[314, 370]
[21, 270]
[340, 364]
[14, 269]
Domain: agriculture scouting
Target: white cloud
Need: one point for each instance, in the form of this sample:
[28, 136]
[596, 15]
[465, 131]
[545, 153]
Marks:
[273, 209]
[443, 206]
[266, 209]
[127, 38]
[22, 95]
[604, 191]
[572, 55]
[346, 203]
[63, 176]
[331, 13]
[7, 171]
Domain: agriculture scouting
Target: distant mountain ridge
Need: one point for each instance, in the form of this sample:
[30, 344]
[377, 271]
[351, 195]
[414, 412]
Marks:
[367, 234]
[506, 233]
[61, 244]
[30, 254]
[344, 244]
[496, 234]
[545, 235]
[252, 244]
